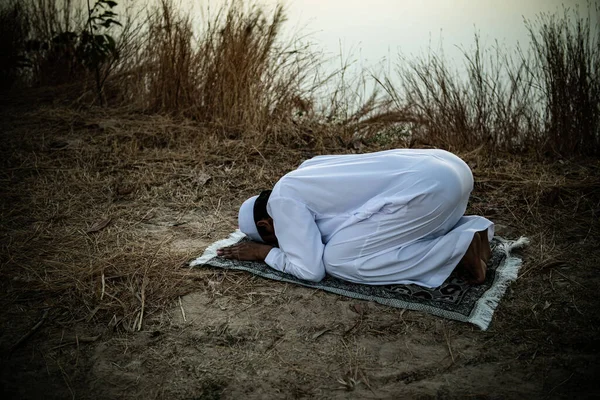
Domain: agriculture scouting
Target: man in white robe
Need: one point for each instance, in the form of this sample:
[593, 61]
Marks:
[391, 217]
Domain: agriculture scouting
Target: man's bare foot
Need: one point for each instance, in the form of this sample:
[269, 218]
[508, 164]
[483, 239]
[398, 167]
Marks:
[473, 262]
[478, 275]
[486, 250]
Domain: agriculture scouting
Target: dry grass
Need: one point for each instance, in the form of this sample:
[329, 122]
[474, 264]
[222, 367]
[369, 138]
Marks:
[156, 180]
[490, 106]
[545, 102]
[237, 73]
[165, 188]
[169, 188]
[147, 182]
[234, 72]
[567, 68]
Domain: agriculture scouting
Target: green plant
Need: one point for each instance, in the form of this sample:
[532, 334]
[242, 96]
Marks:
[64, 45]
[96, 46]
[14, 31]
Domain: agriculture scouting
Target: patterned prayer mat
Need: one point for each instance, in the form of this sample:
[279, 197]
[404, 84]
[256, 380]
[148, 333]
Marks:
[454, 299]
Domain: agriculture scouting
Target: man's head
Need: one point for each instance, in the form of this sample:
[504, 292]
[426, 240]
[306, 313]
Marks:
[254, 220]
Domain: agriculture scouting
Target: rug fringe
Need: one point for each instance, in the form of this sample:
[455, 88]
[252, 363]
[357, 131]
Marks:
[506, 273]
[211, 251]
[507, 246]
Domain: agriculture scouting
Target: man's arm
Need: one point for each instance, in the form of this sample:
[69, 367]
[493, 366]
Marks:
[300, 251]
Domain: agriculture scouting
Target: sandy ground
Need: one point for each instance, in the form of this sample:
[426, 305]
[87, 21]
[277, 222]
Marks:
[230, 335]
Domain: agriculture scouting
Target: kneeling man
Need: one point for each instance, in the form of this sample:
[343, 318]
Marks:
[391, 217]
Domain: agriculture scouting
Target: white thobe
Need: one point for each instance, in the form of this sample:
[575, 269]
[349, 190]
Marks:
[391, 217]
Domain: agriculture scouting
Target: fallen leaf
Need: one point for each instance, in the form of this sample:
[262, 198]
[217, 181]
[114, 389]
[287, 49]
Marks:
[58, 144]
[98, 225]
[553, 264]
[357, 308]
[124, 190]
[203, 178]
[320, 333]
[546, 305]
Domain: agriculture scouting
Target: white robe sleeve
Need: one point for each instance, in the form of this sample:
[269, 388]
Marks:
[300, 251]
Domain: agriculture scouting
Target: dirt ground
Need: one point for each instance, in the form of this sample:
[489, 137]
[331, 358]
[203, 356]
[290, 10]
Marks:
[101, 209]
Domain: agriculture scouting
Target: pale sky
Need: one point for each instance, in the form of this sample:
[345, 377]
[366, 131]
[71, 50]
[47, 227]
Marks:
[376, 29]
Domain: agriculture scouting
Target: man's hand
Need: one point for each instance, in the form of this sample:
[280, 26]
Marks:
[247, 251]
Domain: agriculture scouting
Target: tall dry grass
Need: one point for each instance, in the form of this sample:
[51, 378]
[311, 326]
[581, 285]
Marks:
[488, 104]
[546, 100]
[567, 69]
[235, 71]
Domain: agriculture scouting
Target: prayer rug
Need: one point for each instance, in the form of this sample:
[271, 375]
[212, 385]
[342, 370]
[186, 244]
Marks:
[454, 299]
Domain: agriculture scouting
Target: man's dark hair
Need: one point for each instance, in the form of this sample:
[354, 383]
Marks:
[260, 206]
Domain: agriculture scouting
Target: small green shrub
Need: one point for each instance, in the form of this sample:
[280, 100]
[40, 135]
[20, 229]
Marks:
[14, 33]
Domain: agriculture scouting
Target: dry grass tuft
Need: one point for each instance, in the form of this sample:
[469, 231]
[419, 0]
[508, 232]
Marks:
[567, 68]
[489, 106]
[545, 102]
[235, 73]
